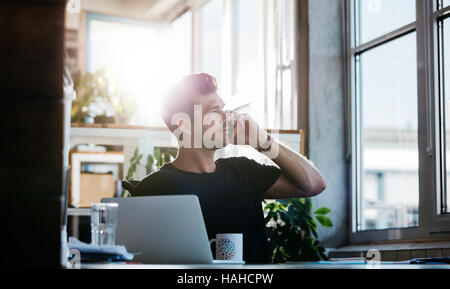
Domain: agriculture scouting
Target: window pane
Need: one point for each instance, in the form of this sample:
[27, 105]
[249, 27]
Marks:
[136, 55]
[445, 3]
[181, 46]
[251, 61]
[288, 103]
[378, 17]
[389, 189]
[446, 58]
[247, 47]
[210, 38]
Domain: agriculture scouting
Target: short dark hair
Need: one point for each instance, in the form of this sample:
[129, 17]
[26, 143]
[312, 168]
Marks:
[181, 97]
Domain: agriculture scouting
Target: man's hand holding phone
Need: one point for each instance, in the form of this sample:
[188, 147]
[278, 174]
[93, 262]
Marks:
[244, 130]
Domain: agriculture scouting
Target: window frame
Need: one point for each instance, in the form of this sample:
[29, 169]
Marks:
[441, 220]
[432, 224]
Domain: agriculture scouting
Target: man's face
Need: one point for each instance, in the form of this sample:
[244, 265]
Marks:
[211, 103]
[213, 120]
[211, 127]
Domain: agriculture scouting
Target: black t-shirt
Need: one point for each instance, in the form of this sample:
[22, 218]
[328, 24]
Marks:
[230, 198]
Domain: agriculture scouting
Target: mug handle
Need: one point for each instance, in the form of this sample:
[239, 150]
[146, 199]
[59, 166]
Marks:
[210, 243]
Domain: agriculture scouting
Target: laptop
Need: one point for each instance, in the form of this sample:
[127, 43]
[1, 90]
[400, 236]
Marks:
[164, 230]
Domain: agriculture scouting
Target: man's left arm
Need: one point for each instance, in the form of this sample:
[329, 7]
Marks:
[298, 178]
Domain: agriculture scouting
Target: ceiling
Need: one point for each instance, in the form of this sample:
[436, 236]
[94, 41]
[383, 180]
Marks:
[153, 10]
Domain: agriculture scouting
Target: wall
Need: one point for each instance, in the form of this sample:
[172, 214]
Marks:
[326, 112]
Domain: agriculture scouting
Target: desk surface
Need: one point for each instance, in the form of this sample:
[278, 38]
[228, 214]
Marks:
[264, 267]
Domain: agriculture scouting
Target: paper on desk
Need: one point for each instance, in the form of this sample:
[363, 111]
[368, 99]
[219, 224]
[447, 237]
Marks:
[85, 248]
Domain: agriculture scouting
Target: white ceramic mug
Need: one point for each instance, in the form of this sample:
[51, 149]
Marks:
[228, 247]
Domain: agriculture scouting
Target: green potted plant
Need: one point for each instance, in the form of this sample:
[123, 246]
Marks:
[101, 99]
[292, 230]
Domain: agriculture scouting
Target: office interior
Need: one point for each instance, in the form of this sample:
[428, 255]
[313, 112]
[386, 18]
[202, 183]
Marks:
[356, 86]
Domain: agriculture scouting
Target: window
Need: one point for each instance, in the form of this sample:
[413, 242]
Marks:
[389, 191]
[398, 129]
[209, 29]
[442, 52]
[249, 47]
[248, 60]
[444, 102]
[286, 100]
[142, 57]
[181, 45]
[445, 27]
[388, 188]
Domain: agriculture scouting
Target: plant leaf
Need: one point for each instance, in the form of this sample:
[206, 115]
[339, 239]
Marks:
[324, 221]
[314, 233]
[150, 160]
[308, 204]
[157, 154]
[166, 158]
[173, 152]
[322, 211]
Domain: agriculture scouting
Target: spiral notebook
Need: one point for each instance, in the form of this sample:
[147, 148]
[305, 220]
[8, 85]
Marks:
[346, 261]
[356, 261]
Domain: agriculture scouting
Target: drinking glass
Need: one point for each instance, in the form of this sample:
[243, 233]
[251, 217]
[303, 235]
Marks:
[104, 223]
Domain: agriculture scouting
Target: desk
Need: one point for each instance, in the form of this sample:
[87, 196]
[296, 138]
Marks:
[263, 267]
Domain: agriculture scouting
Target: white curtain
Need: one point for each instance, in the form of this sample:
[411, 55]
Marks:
[280, 93]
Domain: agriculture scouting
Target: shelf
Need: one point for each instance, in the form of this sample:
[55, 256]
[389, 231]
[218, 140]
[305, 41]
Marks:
[76, 160]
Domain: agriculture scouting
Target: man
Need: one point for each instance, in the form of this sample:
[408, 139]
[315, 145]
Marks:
[230, 190]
